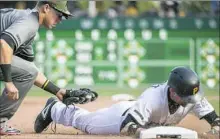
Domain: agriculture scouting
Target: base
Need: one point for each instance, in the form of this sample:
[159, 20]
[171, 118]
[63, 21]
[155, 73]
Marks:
[168, 132]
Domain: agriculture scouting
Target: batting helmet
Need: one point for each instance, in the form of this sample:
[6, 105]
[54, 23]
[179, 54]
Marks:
[186, 84]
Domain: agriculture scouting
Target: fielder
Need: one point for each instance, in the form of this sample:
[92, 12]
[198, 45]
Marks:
[17, 70]
[160, 105]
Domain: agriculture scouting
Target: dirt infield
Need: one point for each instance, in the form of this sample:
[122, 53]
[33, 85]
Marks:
[31, 106]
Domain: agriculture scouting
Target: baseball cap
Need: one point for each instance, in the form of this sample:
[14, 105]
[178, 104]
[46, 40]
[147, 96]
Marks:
[60, 6]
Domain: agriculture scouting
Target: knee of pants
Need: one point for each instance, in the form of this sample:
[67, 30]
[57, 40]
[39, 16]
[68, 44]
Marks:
[33, 73]
[29, 73]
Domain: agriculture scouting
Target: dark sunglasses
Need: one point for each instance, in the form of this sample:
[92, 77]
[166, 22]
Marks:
[58, 13]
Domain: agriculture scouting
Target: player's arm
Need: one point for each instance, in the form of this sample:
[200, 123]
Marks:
[136, 119]
[6, 52]
[130, 126]
[11, 39]
[214, 120]
[204, 110]
[41, 81]
[67, 96]
[5, 60]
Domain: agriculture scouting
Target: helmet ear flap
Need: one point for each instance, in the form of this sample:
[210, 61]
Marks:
[172, 89]
[172, 93]
[176, 98]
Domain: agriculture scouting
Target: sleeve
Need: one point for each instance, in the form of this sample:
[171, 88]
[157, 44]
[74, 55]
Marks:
[21, 30]
[140, 113]
[202, 108]
[9, 40]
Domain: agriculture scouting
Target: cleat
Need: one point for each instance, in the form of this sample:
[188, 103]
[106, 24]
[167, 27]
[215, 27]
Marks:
[44, 118]
[8, 130]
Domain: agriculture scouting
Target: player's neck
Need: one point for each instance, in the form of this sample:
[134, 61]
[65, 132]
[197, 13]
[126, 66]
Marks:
[40, 15]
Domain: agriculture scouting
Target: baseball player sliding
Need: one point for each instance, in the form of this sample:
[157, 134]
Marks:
[17, 70]
[162, 104]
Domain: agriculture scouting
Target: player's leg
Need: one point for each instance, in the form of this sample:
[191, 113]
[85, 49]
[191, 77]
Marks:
[104, 121]
[64, 115]
[23, 76]
[57, 112]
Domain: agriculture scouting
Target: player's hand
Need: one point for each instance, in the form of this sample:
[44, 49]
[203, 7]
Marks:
[137, 133]
[60, 94]
[215, 130]
[213, 133]
[216, 126]
[11, 91]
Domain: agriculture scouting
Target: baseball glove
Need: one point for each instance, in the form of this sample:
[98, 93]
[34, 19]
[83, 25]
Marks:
[80, 96]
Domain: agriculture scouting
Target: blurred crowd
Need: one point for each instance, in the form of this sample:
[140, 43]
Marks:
[113, 9]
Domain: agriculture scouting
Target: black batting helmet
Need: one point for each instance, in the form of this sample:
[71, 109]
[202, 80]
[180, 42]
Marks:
[186, 84]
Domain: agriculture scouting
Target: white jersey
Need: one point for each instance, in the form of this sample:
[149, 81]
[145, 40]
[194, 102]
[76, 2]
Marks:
[152, 107]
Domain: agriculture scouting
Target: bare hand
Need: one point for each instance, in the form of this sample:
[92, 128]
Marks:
[60, 94]
[11, 91]
[215, 129]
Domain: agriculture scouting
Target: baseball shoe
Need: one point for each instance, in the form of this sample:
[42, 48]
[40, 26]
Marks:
[44, 118]
[8, 130]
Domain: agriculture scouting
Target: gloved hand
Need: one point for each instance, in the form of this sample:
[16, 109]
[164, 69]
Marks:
[80, 96]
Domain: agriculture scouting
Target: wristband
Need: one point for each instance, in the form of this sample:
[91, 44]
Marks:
[50, 87]
[210, 117]
[6, 71]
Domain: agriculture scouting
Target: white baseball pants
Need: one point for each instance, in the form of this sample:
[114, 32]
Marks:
[104, 121]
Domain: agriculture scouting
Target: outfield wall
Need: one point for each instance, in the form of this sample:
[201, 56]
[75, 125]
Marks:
[127, 52]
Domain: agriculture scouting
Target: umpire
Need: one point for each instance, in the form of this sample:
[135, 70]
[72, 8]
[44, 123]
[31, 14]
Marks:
[17, 70]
